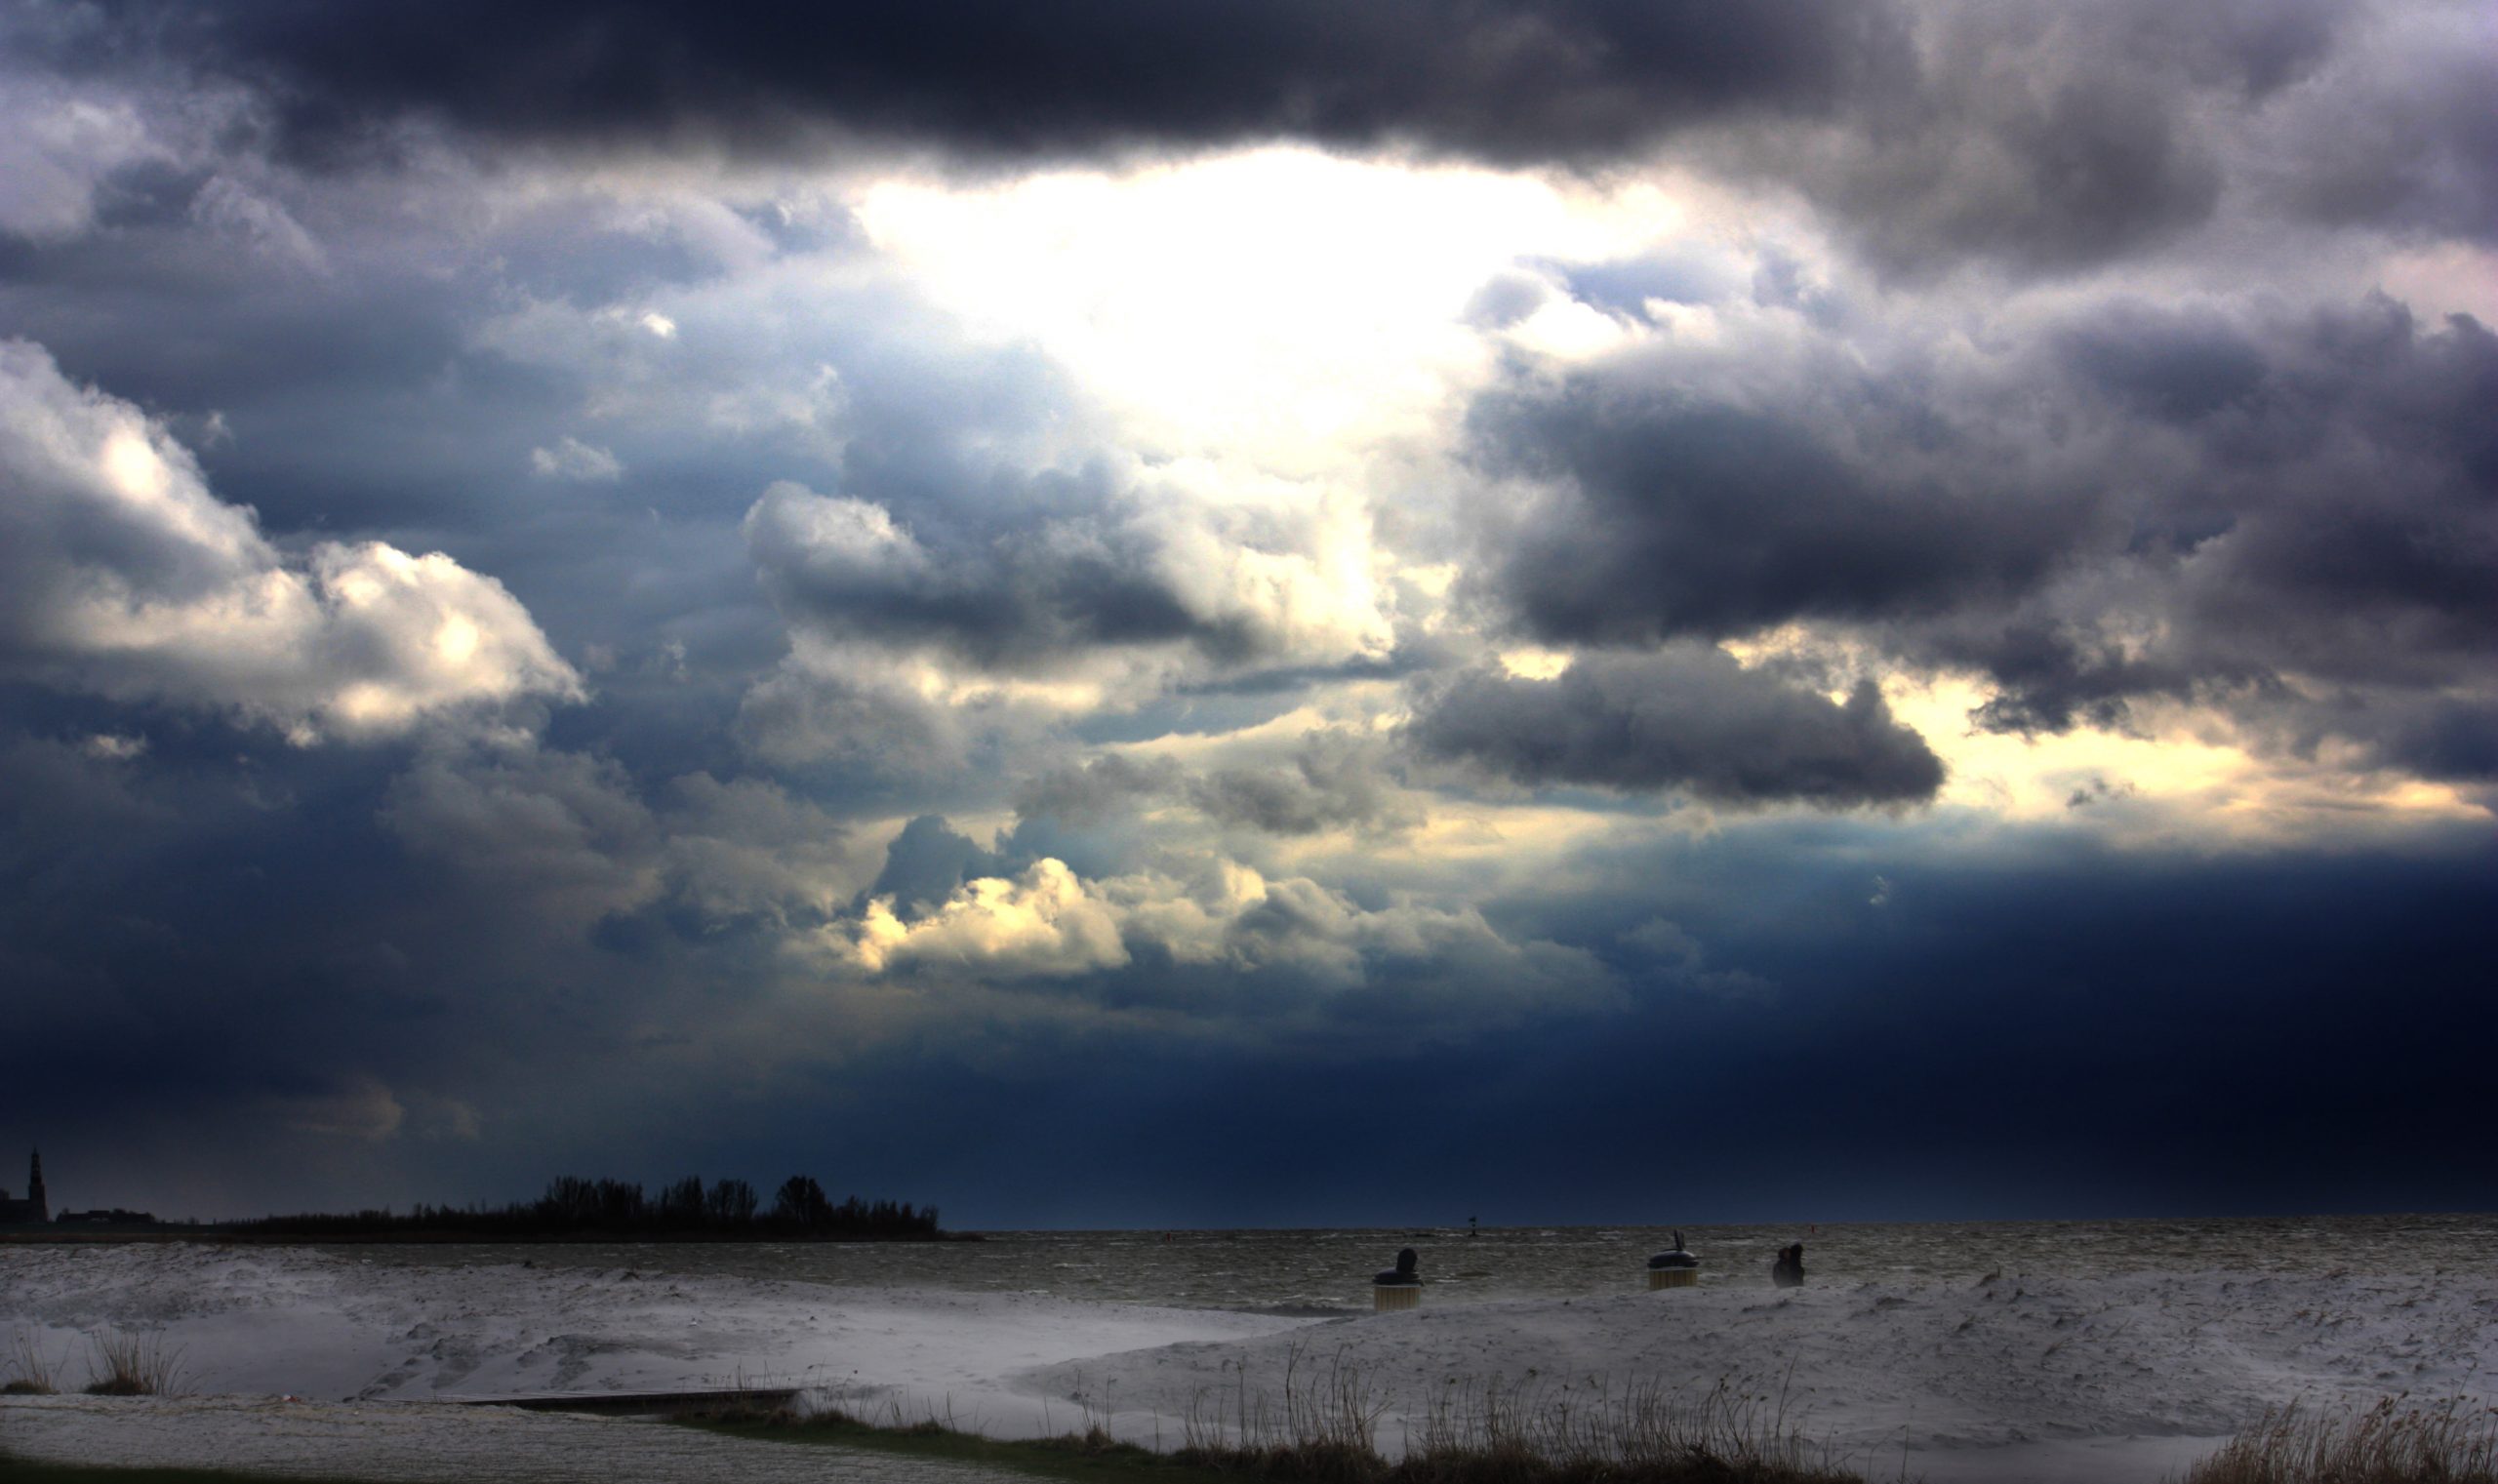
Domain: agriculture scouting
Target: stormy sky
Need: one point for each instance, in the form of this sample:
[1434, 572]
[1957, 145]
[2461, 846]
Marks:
[1262, 612]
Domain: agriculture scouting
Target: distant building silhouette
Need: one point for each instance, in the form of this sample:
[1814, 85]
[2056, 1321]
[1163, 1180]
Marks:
[36, 1209]
[100, 1216]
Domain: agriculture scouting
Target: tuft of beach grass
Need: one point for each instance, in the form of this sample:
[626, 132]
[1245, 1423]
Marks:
[30, 1371]
[2396, 1441]
[1580, 1431]
[1323, 1426]
[126, 1364]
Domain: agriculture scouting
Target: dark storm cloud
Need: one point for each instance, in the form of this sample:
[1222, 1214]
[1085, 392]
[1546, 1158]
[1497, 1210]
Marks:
[1025, 568]
[2028, 1031]
[1104, 787]
[376, 393]
[996, 597]
[1688, 515]
[2035, 135]
[2049, 137]
[2046, 134]
[2335, 517]
[149, 905]
[334, 966]
[347, 960]
[1687, 718]
[928, 861]
[2169, 366]
[257, 972]
[1584, 79]
[405, 382]
[2398, 135]
[2293, 515]
[1333, 781]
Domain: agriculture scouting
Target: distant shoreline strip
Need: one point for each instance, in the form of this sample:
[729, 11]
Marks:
[632, 1401]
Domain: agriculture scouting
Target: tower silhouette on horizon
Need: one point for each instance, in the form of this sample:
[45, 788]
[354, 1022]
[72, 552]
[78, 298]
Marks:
[35, 1210]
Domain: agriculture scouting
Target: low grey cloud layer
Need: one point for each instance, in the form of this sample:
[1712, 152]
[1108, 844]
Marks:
[844, 566]
[2028, 134]
[1333, 781]
[1588, 78]
[1687, 718]
[2140, 503]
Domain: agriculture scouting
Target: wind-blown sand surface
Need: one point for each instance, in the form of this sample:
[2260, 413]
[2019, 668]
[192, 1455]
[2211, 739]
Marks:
[1957, 1376]
[414, 1443]
[2109, 1379]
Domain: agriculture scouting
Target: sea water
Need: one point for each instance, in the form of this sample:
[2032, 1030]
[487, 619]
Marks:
[1326, 1271]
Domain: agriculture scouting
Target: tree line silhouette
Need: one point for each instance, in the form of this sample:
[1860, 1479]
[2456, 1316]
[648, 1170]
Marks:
[575, 1207]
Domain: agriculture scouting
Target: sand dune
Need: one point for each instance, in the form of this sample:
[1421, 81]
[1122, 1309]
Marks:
[1883, 1369]
[2109, 1379]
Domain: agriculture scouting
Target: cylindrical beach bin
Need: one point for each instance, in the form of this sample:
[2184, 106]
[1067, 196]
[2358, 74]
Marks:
[1678, 1269]
[1398, 1287]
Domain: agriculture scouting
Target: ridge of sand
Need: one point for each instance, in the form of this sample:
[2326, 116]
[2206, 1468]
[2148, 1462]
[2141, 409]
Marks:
[1882, 1372]
[2112, 1378]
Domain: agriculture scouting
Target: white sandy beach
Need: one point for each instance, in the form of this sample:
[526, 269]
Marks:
[2114, 1378]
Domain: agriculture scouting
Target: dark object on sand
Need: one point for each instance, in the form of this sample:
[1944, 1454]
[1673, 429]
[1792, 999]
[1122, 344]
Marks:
[1676, 1269]
[1789, 1271]
[1680, 1257]
[1399, 1287]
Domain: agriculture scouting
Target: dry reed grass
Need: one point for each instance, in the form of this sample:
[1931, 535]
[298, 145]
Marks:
[2396, 1441]
[126, 1364]
[30, 1371]
[1322, 1431]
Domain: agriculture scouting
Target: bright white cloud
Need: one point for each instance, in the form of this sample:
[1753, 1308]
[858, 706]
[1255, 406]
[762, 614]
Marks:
[572, 459]
[840, 541]
[1281, 304]
[233, 210]
[111, 747]
[1294, 562]
[122, 574]
[1043, 923]
[1049, 923]
[57, 145]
